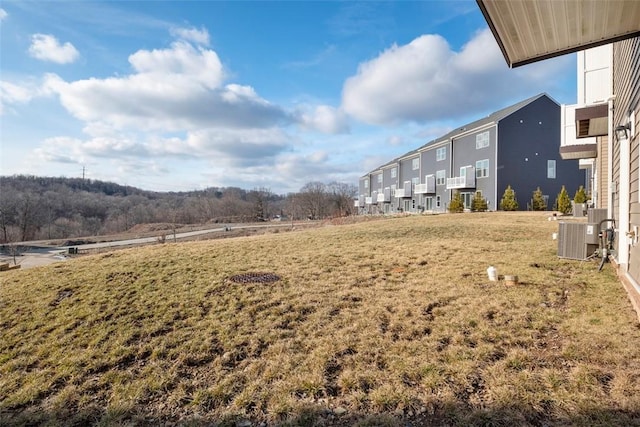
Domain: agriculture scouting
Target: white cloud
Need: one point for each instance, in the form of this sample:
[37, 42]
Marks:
[181, 59]
[232, 147]
[61, 150]
[20, 93]
[3, 14]
[47, 48]
[426, 80]
[12, 93]
[200, 36]
[171, 89]
[325, 119]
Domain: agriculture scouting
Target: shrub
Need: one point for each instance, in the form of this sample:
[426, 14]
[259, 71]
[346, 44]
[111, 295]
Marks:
[580, 196]
[537, 202]
[563, 203]
[509, 202]
[456, 205]
[479, 203]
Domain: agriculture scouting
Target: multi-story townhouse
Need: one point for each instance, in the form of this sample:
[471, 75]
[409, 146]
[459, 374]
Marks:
[516, 146]
[611, 119]
[435, 159]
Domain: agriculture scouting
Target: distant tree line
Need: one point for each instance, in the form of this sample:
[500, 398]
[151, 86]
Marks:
[37, 208]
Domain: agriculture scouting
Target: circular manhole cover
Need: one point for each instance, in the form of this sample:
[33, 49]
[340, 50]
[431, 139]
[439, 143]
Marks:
[255, 277]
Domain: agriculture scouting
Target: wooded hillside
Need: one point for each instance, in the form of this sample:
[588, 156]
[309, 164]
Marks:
[35, 208]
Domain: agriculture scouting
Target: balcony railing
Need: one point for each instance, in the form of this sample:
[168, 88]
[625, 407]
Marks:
[424, 189]
[399, 193]
[368, 200]
[457, 182]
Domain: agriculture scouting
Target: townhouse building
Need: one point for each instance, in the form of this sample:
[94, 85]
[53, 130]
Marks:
[516, 146]
[603, 124]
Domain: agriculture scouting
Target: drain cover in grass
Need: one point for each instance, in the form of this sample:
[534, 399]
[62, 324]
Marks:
[255, 278]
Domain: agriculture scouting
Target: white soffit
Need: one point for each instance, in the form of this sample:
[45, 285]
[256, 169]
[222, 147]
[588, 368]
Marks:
[532, 30]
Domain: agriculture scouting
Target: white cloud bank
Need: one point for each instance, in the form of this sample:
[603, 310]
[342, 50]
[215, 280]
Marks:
[325, 119]
[174, 89]
[47, 48]
[426, 80]
[3, 14]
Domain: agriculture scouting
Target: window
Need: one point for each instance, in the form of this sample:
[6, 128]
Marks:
[393, 190]
[394, 172]
[366, 184]
[380, 179]
[482, 168]
[441, 177]
[415, 180]
[441, 153]
[437, 201]
[463, 171]
[415, 163]
[551, 169]
[482, 140]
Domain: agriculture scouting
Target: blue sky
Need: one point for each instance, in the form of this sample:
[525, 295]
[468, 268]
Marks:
[175, 96]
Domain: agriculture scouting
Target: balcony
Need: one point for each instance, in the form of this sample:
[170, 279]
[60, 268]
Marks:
[429, 187]
[459, 182]
[368, 200]
[405, 191]
[421, 189]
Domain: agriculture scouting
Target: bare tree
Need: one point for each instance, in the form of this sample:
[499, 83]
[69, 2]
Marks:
[342, 195]
[28, 215]
[8, 214]
[313, 199]
[261, 198]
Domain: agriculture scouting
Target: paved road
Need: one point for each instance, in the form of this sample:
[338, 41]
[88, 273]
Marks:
[170, 236]
[36, 255]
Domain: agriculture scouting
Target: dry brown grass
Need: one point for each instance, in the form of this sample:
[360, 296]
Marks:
[380, 323]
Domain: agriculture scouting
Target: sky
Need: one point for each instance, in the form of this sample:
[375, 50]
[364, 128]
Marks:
[180, 96]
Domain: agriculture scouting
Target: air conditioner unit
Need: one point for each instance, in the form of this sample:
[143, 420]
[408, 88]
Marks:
[596, 215]
[579, 209]
[577, 240]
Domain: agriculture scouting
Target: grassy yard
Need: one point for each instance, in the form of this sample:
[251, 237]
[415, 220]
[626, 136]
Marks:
[382, 323]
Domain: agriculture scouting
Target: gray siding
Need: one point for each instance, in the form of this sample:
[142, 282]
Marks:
[362, 190]
[406, 169]
[407, 173]
[387, 181]
[465, 153]
[430, 166]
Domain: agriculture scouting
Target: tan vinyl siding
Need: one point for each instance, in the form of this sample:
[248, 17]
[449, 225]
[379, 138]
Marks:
[626, 81]
[616, 176]
[602, 167]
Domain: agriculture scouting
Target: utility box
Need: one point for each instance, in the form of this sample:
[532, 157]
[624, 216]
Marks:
[591, 234]
[577, 240]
